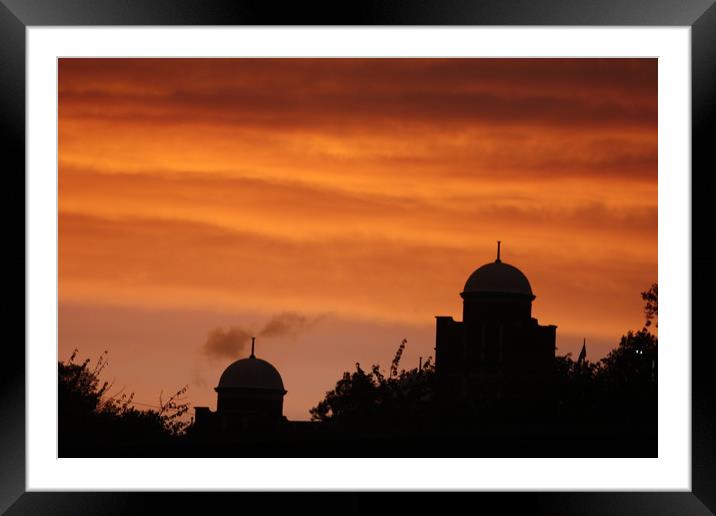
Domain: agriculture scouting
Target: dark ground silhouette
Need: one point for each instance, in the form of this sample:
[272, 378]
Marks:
[594, 409]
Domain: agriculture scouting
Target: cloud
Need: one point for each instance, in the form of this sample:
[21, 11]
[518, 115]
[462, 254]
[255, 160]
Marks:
[365, 187]
[175, 262]
[308, 213]
[345, 94]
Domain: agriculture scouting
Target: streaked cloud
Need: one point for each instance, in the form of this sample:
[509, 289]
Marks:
[364, 188]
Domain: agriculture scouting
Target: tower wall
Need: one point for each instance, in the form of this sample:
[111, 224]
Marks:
[449, 348]
[498, 354]
[449, 358]
[483, 306]
[253, 402]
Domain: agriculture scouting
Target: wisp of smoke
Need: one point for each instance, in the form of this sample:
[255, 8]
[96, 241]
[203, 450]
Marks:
[230, 342]
[289, 324]
[226, 343]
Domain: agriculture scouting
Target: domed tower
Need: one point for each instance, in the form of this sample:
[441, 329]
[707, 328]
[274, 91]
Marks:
[497, 291]
[249, 396]
[498, 350]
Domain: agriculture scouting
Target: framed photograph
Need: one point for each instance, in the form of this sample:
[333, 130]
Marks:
[419, 246]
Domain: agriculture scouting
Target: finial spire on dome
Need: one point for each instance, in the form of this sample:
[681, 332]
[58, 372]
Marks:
[498, 251]
[253, 343]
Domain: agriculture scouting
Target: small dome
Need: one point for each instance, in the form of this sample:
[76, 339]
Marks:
[498, 277]
[251, 373]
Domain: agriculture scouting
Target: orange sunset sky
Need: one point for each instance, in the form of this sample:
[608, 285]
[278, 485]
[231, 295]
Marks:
[333, 207]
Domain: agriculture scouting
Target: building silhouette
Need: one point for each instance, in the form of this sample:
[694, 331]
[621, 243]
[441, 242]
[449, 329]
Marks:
[498, 353]
[249, 397]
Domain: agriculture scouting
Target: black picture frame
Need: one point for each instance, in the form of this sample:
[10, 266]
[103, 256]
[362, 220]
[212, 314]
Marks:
[700, 15]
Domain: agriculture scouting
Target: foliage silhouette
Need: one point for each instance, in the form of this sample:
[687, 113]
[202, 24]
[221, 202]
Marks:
[620, 387]
[363, 398]
[651, 305]
[89, 417]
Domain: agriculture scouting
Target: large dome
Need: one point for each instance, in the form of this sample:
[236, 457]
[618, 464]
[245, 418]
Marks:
[498, 277]
[251, 373]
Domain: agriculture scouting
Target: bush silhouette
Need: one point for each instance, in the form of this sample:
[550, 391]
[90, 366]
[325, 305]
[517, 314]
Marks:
[364, 398]
[89, 417]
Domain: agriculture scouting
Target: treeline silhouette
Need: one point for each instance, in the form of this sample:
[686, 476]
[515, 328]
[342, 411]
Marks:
[596, 409]
[620, 385]
[90, 419]
[607, 407]
[363, 398]
[599, 408]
